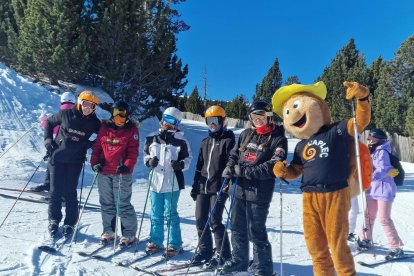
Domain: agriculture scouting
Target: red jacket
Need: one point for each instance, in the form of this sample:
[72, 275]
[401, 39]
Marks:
[114, 146]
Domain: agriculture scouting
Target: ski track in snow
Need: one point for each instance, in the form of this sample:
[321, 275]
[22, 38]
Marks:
[21, 104]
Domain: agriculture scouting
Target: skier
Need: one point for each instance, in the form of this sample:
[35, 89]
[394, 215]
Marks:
[67, 154]
[168, 153]
[67, 100]
[251, 161]
[212, 160]
[381, 194]
[114, 156]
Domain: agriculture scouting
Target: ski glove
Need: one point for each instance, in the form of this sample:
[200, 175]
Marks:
[194, 191]
[122, 169]
[50, 146]
[106, 106]
[228, 172]
[240, 172]
[153, 162]
[177, 165]
[97, 167]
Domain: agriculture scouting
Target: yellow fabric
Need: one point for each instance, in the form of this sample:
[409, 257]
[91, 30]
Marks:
[284, 93]
[325, 221]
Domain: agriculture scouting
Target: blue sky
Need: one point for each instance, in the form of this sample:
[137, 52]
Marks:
[237, 41]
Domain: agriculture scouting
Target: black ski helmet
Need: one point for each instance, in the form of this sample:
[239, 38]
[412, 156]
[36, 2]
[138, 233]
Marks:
[378, 133]
[121, 105]
[262, 106]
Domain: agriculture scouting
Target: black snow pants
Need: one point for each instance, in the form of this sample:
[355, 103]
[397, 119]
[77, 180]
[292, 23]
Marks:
[204, 204]
[248, 223]
[63, 183]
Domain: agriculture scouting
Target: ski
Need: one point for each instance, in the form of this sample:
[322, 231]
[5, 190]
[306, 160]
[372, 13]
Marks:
[150, 272]
[157, 262]
[126, 263]
[41, 200]
[384, 261]
[93, 249]
[199, 269]
[25, 191]
[54, 244]
[24, 198]
[110, 253]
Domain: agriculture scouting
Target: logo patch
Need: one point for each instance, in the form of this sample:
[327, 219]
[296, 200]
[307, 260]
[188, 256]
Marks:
[136, 137]
[250, 156]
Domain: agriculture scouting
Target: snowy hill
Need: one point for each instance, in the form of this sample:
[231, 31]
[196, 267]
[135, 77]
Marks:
[22, 103]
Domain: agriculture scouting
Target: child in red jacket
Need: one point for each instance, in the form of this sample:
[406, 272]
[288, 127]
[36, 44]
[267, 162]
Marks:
[114, 156]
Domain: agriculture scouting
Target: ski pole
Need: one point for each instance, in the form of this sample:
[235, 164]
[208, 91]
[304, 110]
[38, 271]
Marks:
[145, 206]
[80, 195]
[357, 153]
[117, 209]
[75, 231]
[24, 188]
[24, 134]
[169, 219]
[208, 222]
[233, 192]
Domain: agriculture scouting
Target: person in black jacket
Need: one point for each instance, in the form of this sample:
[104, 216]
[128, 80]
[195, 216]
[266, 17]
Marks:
[67, 154]
[211, 162]
[251, 161]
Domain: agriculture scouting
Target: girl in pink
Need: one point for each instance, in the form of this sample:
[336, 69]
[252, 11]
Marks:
[381, 194]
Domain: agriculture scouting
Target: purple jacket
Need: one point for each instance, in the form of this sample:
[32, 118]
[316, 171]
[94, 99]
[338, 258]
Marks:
[382, 186]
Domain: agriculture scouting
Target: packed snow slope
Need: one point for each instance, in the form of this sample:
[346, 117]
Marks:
[22, 102]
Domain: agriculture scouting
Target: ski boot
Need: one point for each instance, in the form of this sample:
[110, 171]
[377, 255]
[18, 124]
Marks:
[231, 266]
[40, 188]
[53, 228]
[216, 261]
[201, 258]
[68, 230]
[353, 237]
[152, 248]
[364, 244]
[107, 237]
[127, 241]
[394, 254]
[171, 252]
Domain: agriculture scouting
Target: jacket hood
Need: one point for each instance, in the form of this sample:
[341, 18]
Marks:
[386, 146]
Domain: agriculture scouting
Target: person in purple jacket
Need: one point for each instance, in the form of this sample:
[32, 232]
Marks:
[381, 194]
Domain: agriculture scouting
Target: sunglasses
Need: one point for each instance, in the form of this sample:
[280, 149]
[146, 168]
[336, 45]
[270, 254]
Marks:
[170, 119]
[89, 104]
[212, 120]
[259, 114]
[119, 112]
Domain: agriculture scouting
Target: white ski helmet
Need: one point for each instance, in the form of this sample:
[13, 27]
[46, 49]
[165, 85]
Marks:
[173, 112]
[67, 97]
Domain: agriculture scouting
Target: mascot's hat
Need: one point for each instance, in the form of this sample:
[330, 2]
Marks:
[284, 93]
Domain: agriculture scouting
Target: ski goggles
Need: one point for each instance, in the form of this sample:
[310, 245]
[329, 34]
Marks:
[212, 120]
[170, 119]
[89, 104]
[119, 112]
[257, 115]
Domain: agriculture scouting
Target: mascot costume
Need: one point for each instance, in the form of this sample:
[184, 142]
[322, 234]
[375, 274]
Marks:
[324, 159]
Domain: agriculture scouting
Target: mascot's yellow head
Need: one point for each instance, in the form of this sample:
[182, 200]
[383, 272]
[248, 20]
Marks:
[302, 108]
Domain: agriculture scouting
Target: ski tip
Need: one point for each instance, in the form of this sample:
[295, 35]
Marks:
[47, 249]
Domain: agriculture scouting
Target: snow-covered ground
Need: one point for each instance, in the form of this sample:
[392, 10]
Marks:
[21, 104]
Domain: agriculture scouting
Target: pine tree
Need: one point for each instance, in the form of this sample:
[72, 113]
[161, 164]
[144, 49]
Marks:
[270, 83]
[133, 46]
[291, 80]
[8, 33]
[409, 119]
[50, 41]
[393, 97]
[238, 108]
[348, 65]
[194, 103]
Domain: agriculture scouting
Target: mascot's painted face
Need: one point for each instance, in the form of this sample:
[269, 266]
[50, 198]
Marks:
[304, 114]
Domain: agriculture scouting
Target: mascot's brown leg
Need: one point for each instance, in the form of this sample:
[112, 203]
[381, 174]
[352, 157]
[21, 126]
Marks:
[315, 237]
[325, 218]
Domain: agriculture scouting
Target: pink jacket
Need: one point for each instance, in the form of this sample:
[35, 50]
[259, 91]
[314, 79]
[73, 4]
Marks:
[44, 118]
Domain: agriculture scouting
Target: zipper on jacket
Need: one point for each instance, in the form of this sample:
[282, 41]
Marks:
[208, 166]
